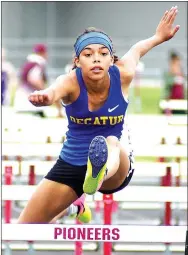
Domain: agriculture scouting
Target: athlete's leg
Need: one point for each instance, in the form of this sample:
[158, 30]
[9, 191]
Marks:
[113, 156]
[117, 176]
[79, 209]
[70, 211]
[105, 154]
[49, 199]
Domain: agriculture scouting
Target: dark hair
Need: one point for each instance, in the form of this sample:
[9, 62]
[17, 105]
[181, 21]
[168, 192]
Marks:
[93, 29]
[174, 55]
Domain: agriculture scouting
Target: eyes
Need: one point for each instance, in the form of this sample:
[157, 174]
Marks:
[87, 55]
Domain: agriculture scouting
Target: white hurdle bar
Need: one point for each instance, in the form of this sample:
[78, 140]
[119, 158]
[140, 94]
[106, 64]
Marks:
[130, 194]
[173, 104]
[99, 233]
[53, 150]
[152, 169]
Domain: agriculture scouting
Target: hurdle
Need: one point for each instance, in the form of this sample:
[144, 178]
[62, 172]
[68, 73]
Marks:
[8, 203]
[43, 150]
[173, 105]
[97, 233]
[178, 178]
[167, 181]
[130, 194]
[143, 168]
[166, 193]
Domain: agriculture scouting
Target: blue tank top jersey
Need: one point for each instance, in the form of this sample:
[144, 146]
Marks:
[84, 125]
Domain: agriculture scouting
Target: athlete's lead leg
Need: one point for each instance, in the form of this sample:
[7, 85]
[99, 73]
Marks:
[103, 162]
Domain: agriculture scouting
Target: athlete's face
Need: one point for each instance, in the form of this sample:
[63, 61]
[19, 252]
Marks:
[95, 61]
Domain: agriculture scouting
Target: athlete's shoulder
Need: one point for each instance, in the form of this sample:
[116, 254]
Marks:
[67, 80]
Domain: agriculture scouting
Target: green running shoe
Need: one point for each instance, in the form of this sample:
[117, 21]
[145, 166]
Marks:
[96, 165]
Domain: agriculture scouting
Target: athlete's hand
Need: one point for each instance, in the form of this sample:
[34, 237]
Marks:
[41, 98]
[165, 30]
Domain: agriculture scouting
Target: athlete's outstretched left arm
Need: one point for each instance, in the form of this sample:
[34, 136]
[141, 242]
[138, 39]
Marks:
[164, 32]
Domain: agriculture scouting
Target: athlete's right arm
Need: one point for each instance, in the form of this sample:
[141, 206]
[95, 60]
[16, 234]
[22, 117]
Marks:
[60, 89]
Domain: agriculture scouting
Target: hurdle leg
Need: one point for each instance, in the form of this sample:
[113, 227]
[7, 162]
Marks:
[8, 250]
[8, 206]
[78, 244]
[167, 250]
[98, 212]
[31, 181]
[162, 181]
[168, 210]
[178, 181]
[8, 203]
[18, 179]
[108, 203]
[19, 175]
[31, 250]
[32, 176]
[168, 112]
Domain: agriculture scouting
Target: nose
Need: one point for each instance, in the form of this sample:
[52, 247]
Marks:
[96, 58]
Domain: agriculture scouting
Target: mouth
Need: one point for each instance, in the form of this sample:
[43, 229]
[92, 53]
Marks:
[97, 69]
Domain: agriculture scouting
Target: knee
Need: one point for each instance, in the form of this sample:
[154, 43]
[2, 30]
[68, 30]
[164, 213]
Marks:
[113, 141]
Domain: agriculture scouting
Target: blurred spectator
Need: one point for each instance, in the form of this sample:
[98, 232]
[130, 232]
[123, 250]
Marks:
[8, 81]
[174, 79]
[32, 77]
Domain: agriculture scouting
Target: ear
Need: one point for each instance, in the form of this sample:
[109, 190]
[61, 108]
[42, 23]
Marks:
[77, 62]
[112, 61]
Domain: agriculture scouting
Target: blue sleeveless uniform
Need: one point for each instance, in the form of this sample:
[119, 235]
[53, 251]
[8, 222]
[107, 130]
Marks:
[84, 125]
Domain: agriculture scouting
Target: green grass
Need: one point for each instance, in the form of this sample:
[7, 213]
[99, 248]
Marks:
[150, 100]
[150, 97]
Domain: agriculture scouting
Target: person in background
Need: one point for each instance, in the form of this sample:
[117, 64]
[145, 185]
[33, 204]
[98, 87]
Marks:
[33, 77]
[174, 82]
[9, 81]
[174, 79]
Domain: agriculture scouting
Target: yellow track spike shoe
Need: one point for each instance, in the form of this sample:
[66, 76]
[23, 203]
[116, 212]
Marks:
[96, 165]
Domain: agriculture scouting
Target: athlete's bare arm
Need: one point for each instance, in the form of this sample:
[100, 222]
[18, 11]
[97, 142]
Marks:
[63, 88]
[164, 32]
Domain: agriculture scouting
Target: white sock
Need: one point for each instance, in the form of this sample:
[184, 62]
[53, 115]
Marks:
[72, 209]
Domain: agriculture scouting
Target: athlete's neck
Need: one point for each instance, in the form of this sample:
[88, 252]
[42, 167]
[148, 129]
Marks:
[97, 87]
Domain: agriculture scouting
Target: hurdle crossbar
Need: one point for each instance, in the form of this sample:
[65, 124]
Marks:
[153, 169]
[99, 233]
[173, 104]
[53, 150]
[57, 246]
[89, 246]
[130, 194]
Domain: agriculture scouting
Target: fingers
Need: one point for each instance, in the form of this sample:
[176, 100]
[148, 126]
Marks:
[37, 98]
[171, 21]
[175, 30]
[165, 15]
[171, 14]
